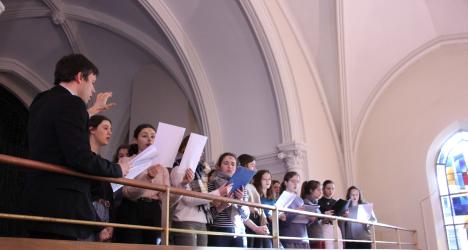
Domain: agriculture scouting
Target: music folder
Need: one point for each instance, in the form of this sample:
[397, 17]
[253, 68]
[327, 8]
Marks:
[241, 177]
[340, 206]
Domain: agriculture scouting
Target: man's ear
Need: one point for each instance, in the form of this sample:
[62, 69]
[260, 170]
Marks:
[79, 77]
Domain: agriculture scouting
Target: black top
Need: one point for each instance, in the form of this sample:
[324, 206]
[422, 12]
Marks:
[58, 134]
[326, 204]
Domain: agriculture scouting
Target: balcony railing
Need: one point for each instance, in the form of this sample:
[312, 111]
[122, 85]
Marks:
[165, 205]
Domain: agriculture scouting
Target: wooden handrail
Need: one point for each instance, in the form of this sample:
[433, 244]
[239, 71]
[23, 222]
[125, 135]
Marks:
[37, 165]
[31, 164]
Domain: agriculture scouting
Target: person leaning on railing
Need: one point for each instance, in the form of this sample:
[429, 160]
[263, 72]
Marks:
[310, 193]
[287, 224]
[353, 230]
[189, 212]
[142, 206]
[254, 223]
[227, 217]
[100, 132]
[262, 182]
[58, 134]
[326, 207]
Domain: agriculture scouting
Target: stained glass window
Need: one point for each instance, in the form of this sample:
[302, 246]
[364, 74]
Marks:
[452, 177]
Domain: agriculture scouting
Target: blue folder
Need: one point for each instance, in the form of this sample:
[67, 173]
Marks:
[241, 177]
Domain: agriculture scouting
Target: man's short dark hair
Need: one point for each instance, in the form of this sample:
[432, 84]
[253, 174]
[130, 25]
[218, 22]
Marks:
[68, 66]
[245, 159]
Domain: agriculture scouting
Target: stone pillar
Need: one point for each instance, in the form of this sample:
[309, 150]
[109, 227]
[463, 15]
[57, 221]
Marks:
[295, 156]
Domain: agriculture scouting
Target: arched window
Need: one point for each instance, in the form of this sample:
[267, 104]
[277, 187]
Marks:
[452, 177]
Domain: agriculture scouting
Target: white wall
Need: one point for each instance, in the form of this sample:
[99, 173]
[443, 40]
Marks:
[411, 113]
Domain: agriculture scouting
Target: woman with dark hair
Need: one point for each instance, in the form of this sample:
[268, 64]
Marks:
[326, 207]
[122, 151]
[100, 131]
[254, 222]
[227, 217]
[310, 193]
[287, 225]
[262, 182]
[275, 188]
[189, 212]
[142, 206]
[353, 230]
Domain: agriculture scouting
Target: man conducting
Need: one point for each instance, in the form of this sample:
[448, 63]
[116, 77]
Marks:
[58, 134]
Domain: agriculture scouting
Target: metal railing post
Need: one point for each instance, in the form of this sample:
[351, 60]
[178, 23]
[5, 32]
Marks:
[165, 208]
[415, 239]
[336, 235]
[374, 243]
[398, 238]
[275, 228]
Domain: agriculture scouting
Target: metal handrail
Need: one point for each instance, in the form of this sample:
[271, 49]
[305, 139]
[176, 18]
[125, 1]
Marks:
[177, 191]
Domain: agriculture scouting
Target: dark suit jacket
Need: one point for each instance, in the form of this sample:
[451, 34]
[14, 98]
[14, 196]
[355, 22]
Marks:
[58, 134]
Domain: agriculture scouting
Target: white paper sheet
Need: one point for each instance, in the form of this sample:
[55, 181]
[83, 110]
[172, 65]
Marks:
[365, 211]
[304, 219]
[163, 151]
[285, 199]
[168, 139]
[192, 154]
[138, 164]
[142, 161]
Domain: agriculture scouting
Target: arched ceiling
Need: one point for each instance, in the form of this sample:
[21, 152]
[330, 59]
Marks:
[121, 37]
[378, 39]
[382, 36]
[35, 34]
[354, 47]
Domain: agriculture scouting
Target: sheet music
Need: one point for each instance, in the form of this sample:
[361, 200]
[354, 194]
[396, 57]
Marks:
[138, 164]
[192, 154]
[168, 139]
[365, 211]
[163, 151]
[285, 199]
[304, 219]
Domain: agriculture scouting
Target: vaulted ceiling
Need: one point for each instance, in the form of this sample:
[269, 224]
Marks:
[356, 48]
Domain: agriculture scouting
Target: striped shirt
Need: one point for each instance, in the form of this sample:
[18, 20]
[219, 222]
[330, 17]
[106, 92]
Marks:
[225, 218]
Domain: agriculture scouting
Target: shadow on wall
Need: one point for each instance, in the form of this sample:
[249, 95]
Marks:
[13, 141]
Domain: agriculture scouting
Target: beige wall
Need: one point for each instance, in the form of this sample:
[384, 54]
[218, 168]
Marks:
[427, 98]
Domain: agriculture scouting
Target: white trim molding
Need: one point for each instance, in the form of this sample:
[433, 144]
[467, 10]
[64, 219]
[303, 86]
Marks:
[317, 80]
[396, 71]
[346, 135]
[2, 7]
[289, 111]
[59, 18]
[204, 97]
[23, 72]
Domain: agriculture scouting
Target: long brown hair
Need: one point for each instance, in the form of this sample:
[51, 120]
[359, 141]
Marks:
[348, 194]
[287, 177]
[257, 182]
[308, 187]
[221, 158]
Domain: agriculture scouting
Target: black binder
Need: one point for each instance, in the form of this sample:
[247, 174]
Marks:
[340, 207]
